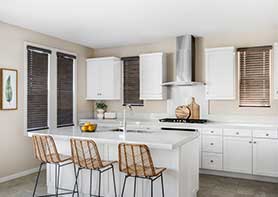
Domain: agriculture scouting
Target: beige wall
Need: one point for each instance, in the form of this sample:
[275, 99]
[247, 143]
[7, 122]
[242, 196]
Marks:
[16, 153]
[242, 39]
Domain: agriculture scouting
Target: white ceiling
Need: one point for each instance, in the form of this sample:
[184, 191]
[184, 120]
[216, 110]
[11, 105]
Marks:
[107, 23]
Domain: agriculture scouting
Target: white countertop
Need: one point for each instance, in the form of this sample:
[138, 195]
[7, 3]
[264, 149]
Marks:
[218, 124]
[154, 138]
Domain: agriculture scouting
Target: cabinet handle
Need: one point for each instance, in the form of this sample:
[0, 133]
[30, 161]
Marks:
[211, 131]
[255, 142]
[267, 134]
[211, 161]
[212, 144]
[237, 133]
[250, 142]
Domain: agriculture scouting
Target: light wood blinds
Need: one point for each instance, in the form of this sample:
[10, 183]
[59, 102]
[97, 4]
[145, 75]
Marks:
[254, 75]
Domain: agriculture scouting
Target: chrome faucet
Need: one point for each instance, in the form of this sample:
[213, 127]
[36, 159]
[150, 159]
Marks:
[124, 119]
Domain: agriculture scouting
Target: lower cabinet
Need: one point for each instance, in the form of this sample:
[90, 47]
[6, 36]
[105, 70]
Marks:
[237, 154]
[265, 157]
[212, 161]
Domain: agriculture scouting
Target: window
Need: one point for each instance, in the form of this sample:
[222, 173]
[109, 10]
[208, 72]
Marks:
[49, 88]
[254, 63]
[37, 88]
[65, 89]
[131, 81]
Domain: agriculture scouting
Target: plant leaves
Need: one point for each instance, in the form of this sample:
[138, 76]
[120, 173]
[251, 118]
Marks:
[8, 90]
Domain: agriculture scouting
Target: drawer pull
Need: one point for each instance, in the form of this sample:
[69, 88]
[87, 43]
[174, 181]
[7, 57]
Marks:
[211, 131]
[211, 161]
[237, 133]
[255, 142]
[211, 144]
[267, 134]
[250, 142]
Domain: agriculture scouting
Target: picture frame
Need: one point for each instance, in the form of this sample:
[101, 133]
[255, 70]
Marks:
[8, 89]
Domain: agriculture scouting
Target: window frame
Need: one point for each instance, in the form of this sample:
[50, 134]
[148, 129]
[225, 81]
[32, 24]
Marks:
[270, 79]
[52, 85]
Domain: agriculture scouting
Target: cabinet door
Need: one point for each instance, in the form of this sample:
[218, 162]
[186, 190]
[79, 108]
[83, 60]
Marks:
[220, 73]
[93, 82]
[106, 79]
[238, 154]
[151, 76]
[275, 66]
[265, 157]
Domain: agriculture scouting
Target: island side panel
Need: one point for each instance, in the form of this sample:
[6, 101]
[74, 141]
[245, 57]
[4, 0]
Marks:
[189, 168]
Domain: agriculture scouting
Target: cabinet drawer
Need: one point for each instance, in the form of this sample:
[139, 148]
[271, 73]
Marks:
[212, 161]
[212, 144]
[212, 131]
[238, 132]
[265, 133]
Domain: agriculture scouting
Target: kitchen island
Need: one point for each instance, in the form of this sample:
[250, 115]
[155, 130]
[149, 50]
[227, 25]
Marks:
[175, 150]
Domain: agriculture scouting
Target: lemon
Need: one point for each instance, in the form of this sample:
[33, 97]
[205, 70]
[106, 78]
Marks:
[87, 124]
[84, 128]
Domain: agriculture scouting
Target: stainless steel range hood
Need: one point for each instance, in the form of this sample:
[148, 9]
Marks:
[185, 62]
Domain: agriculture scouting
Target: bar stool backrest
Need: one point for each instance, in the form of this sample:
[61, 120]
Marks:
[135, 160]
[85, 154]
[45, 149]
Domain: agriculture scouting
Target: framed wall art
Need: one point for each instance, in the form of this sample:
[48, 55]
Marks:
[8, 89]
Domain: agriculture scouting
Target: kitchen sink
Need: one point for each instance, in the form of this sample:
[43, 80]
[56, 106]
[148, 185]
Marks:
[130, 131]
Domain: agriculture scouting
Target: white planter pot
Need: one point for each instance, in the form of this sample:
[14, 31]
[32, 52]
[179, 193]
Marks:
[100, 113]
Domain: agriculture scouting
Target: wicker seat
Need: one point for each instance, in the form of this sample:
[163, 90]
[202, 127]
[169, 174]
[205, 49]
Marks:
[46, 152]
[135, 161]
[85, 155]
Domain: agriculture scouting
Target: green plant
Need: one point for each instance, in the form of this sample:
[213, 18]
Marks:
[101, 105]
[8, 90]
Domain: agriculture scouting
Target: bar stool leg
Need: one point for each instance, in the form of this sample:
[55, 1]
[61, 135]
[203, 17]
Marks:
[91, 182]
[134, 192]
[162, 185]
[76, 181]
[151, 188]
[57, 179]
[99, 182]
[37, 179]
[114, 182]
[123, 190]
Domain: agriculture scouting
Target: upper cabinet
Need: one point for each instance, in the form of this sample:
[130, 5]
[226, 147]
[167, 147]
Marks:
[152, 75]
[275, 66]
[104, 78]
[220, 73]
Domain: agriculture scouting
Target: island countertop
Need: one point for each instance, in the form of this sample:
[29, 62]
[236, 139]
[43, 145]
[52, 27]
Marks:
[160, 139]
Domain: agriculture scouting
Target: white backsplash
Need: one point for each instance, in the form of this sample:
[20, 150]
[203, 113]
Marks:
[182, 95]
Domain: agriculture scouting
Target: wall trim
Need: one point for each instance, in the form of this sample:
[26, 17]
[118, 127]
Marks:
[239, 175]
[20, 174]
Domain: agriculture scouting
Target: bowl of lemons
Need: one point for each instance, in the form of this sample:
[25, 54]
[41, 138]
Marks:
[88, 127]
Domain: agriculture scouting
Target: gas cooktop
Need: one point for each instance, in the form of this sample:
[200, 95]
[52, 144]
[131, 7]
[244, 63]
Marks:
[177, 120]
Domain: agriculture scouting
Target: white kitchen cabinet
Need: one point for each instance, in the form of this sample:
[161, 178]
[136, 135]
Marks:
[104, 78]
[220, 73]
[152, 75]
[275, 66]
[237, 154]
[265, 157]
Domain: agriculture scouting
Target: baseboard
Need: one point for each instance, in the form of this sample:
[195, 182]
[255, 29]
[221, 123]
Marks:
[239, 175]
[20, 174]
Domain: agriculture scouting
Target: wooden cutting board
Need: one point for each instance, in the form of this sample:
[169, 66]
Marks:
[183, 112]
[195, 109]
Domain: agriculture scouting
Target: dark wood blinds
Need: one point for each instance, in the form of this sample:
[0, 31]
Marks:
[255, 63]
[131, 81]
[65, 89]
[37, 88]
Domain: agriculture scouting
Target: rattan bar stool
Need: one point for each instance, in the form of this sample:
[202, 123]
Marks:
[46, 152]
[135, 161]
[85, 155]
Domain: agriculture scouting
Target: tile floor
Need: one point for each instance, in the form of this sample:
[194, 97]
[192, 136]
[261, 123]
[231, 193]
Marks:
[210, 186]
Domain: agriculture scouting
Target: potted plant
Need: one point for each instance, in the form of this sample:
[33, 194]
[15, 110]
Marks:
[100, 109]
